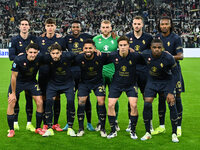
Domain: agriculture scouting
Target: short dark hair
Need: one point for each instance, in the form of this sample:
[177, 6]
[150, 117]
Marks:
[171, 22]
[89, 41]
[139, 18]
[24, 19]
[50, 21]
[55, 46]
[32, 45]
[156, 41]
[123, 38]
[76, 21]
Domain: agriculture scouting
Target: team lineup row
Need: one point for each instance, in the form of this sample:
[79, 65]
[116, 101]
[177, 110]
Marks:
[158, 74]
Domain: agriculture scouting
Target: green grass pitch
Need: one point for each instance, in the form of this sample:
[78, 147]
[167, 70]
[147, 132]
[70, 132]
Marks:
[91, 140]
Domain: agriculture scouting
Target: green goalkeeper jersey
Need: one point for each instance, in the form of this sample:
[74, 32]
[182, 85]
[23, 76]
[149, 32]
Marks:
[106, 45]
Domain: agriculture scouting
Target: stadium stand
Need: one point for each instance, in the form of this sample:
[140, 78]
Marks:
[185, 14]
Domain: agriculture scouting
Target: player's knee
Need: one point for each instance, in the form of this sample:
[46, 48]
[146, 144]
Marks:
[81, 102]
[111, 105]
[39, 102]
[134, 106]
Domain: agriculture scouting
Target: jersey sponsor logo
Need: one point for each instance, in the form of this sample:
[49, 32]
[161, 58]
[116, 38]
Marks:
[91, 69]
[137, 47]
[123, 68]
[76, 44]
[106, 47]
[123, 72]
[153, 69]
[14, 65]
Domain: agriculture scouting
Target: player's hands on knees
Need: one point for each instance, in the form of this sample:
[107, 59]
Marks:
[12, 98]
[170, 99]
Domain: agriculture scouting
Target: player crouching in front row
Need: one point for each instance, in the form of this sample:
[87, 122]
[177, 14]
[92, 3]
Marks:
[24, 70]
[163, 73]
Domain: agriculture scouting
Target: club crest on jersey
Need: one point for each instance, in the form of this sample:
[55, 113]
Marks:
[43, 42]
[130, 62]
[143, 41]
[59, 69]
[24, 64]
[96, 62]
[37, 64]
[161, 65]
[31, 41]
[82, 62]
[20, 43]
[168, 43]
[112, 42]
[148, 61]
[81, 39]
[65, 63]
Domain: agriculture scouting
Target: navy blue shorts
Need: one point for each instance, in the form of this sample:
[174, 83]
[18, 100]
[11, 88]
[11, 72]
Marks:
[115, 92]
[141, 80]
[31, 87]
[54, 90]
[152, 88]
[85, 89]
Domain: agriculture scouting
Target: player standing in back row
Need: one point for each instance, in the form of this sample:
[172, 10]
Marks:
[106, 43]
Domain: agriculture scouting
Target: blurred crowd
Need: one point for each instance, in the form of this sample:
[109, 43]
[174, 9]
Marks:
[185, 14]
